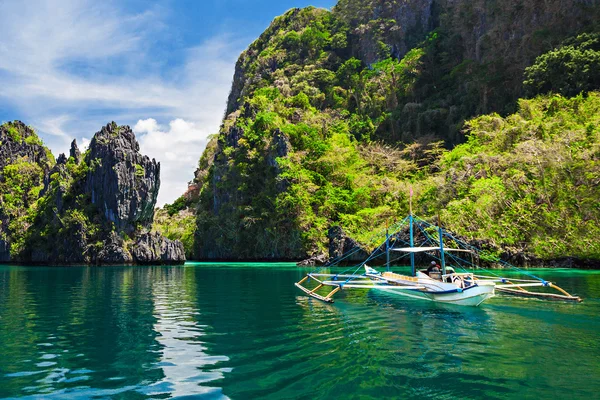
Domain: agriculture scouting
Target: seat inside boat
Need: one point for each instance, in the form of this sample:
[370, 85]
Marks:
[433, 275]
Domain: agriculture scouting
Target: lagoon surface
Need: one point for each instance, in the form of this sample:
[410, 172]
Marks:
[244, 331]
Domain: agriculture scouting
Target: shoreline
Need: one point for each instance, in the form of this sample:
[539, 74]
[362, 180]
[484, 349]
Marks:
[567, 263]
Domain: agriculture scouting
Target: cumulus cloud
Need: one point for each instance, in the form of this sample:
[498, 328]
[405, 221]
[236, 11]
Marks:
[71, 68]
[178, 146]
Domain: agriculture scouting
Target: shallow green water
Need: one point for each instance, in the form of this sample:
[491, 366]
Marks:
[244, 331]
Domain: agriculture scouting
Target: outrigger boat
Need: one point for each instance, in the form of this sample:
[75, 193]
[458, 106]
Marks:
[471, 287]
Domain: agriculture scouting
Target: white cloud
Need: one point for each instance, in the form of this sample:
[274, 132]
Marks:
[84, 143]
[72, 67]
[54, 126]
[179, 146]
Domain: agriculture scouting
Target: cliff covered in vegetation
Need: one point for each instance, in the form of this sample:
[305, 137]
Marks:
[91, 208]
[333, 115]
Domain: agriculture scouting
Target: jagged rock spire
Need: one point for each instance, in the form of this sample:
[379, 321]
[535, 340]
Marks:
[74, 152]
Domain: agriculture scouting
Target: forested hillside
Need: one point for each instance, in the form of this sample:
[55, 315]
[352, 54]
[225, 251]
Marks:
[334, 115]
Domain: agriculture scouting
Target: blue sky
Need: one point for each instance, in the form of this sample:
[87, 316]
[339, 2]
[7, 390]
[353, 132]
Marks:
[67, 67]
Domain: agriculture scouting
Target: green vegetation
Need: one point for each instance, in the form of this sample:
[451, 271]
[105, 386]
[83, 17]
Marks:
[178, 205]
[139, 171]
[33, 140]
[529, 181]
[20, 185]
[315, 137]
[569, 70]
[177, 226]
[23, 166]
[14, 134]
[65, 212]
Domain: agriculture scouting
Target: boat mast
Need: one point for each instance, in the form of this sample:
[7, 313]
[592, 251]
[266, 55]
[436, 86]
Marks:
[412, 243]
[387, 248]
[442, 258]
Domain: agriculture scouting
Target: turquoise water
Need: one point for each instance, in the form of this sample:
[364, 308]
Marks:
[244, 331]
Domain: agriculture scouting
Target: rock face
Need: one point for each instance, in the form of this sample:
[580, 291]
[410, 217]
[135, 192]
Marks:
[74, 152]
[18, 141]
[122, 183]
[114, 251]
[400, 25]
[396, 72]
[340, 244]
[96, 208]
[4, 251]
[152, 248]
[28, 163]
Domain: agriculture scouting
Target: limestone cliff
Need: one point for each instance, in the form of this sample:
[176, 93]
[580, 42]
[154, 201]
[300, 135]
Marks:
[124, 184]
[332, 114]
[91, 208]
[24, 167]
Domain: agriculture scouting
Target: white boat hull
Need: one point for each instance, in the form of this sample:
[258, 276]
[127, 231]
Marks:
[472, 296]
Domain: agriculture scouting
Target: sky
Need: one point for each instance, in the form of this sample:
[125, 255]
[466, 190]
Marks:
[68, 67]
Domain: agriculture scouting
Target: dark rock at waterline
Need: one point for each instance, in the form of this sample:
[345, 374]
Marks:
[152, 248]
[114, 251]
[4, 251]
[320, 259]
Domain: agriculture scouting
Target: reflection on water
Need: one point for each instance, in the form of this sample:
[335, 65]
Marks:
[218, 331]
[182, 358]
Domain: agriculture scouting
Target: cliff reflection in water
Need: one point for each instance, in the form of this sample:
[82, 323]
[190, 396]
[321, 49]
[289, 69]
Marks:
[101, 331]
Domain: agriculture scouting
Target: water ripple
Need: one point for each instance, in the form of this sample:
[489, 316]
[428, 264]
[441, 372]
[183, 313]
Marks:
[246, 332]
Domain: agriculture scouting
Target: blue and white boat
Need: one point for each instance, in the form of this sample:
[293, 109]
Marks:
[471, 286]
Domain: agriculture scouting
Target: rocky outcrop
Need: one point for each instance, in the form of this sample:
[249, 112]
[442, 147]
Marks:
[4, 251]
[444, 62]
[152, 248]
[22, 149]
[114, 251]
[340, 244]
[380, 27]
[320, 259]
[18, 141]
[98, 208]
[122, 183]
[74, 152]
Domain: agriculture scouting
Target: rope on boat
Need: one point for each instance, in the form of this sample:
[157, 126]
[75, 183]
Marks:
[428, 238]
[342, 257]
[473, 248]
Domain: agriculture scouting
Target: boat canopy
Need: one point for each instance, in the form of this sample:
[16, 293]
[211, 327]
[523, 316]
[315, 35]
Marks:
[419, 284]
[424, 249]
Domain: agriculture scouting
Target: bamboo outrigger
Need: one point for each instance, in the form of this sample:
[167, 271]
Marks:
[445, 286]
